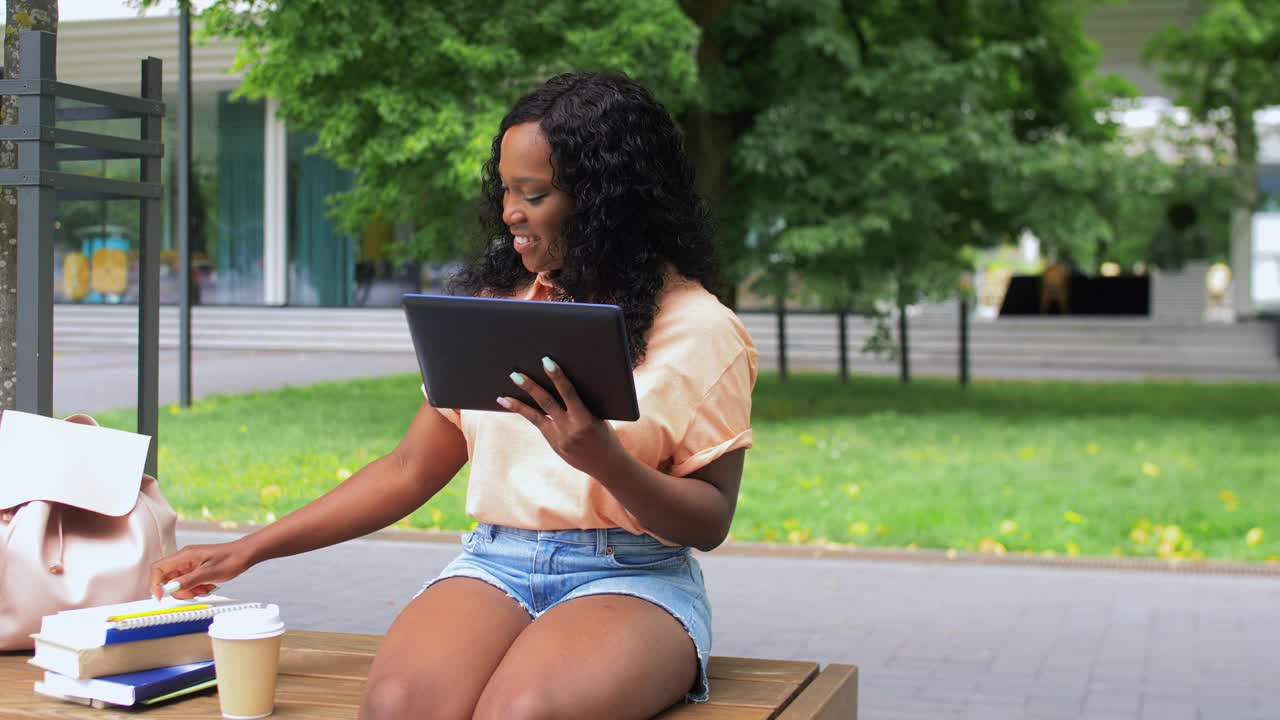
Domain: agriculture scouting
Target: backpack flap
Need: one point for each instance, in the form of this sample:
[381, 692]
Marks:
[73, 463]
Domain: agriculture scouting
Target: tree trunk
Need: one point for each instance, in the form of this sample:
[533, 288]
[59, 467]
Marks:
[709, 139]
[19, 15]
[1245, 196]
[781, 312]
[842, 323]
[964, 341]
[903, 299]
[904, 346]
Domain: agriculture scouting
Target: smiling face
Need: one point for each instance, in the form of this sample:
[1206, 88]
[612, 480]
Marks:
[532, 207]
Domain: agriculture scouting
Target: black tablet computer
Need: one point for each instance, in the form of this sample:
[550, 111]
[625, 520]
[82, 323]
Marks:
[467, 348]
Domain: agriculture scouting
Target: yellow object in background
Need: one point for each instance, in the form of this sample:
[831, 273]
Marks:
[75, 276]
[110, 271]
[1055, 289]
[376, 239]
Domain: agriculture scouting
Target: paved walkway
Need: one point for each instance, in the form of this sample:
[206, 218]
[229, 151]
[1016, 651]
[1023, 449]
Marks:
[933, 642]
[97, 380]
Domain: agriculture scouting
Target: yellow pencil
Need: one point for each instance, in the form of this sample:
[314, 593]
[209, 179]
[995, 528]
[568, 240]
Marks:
[162, 611]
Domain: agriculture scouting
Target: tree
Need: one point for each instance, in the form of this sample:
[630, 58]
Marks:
[1222, 68]
[409, 94]
[884, 197]
[19, 15]
[888, 139]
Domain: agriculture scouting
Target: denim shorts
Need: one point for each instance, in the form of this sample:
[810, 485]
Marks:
[541, 569]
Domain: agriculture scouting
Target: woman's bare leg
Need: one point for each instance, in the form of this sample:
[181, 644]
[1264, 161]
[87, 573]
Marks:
[441, 651]
[600, 656]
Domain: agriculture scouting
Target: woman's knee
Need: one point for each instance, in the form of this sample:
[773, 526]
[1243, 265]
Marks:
[518, 703]
[394, 697]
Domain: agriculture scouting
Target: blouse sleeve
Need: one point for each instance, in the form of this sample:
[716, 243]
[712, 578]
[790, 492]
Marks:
[721, 423]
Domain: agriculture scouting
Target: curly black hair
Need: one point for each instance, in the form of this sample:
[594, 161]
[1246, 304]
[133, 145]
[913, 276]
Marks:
[617, 153]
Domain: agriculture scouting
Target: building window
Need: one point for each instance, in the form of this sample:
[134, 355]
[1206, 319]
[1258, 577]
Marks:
[331, 268]
[226, 252]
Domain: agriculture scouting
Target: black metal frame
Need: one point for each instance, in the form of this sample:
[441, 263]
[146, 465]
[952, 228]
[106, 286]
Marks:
[41, 185]
[184, 203]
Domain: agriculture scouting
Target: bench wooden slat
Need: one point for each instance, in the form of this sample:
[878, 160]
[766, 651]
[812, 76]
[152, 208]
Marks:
[707, 711]
[204, 707]
[752, 693]
[285, 710]
[33, 707]
[329, 692]
[15, 668]
[321, 664]
[332, 642]
[736, 668]
[833, 695]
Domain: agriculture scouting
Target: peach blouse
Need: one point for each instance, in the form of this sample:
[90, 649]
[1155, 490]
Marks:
[694, 389]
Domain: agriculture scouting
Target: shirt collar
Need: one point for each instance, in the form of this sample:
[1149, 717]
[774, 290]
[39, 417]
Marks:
[543, 279]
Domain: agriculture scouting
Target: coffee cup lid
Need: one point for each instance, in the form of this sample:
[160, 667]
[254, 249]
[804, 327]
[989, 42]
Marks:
[247, 624]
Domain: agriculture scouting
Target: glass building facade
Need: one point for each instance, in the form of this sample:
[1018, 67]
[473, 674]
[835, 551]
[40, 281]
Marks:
[260, 230]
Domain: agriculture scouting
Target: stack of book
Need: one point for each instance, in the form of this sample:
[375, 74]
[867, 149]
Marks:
[136, 653]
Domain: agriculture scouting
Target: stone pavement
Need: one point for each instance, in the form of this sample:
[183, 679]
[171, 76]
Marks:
[96, 380]
[937, 642]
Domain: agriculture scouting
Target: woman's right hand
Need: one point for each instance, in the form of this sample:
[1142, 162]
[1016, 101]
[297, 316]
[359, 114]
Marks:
[200, 568]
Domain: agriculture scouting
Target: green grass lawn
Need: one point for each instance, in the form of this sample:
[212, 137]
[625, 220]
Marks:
[1174, 470]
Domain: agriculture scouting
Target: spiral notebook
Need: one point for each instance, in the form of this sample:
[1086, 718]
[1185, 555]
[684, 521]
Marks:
[91, 627]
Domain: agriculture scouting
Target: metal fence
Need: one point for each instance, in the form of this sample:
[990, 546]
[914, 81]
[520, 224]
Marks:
[43, 142]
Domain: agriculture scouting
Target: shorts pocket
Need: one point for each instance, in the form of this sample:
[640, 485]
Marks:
[471, 540]
[646, 558]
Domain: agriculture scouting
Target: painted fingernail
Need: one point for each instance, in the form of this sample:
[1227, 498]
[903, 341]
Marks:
[517, 378]
[504, 403]
[171, 587]
[548, 364]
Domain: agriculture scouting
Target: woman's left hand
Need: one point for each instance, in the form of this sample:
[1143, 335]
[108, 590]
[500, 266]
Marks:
[584, 441]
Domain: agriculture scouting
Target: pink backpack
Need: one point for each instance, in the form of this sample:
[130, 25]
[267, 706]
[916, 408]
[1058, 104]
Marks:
[74, 553]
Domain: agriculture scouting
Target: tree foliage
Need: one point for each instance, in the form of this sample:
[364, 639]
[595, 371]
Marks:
[1222, 68]
[1225, 60]
[888, 139]
[409, 94]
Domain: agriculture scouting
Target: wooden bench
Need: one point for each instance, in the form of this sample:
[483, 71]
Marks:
[322, 676]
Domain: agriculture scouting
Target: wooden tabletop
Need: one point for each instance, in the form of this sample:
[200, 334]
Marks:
[322, 675]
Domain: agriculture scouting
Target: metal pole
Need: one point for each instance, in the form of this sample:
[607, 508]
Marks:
[184, 205]
[904, 360]
[36, 214]
[149, 239]
[782, 339]
[843, 319]
[964, 341]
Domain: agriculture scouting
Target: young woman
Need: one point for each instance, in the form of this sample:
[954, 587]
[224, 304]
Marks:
[575, 595]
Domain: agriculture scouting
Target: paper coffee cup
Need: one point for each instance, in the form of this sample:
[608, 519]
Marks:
[246, 659]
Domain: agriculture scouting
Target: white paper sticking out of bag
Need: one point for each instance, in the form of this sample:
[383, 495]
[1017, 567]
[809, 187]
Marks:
[90, 467]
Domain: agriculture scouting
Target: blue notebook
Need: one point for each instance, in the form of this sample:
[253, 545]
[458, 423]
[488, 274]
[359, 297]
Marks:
[132, 688]
[89, 627]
